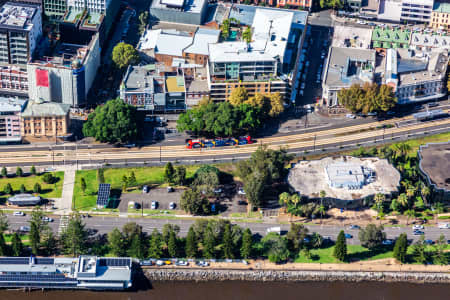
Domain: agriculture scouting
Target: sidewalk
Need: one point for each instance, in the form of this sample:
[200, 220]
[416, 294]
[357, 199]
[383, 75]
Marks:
[65, 203]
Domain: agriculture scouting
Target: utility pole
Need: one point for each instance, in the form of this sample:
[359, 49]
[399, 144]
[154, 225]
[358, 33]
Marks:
[315, 136]
[160, 153]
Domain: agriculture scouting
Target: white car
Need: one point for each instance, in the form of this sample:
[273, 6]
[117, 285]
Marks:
[417, 227]
[444, 226]
[350, 116]
[172, 205]
[25, 228]
[18, 213]
[154, 204]
[160, 263]
[218, 191]
[241, 191]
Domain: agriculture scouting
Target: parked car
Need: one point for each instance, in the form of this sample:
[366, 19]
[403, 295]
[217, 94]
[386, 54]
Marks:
[218, 191]
[19, 213]
[154, 204]
[25, 228]
[182, 263]
[146, 262]
[388, 242]
[348, 236]
[47, 219]
[160, 263]
[418, 232]
[372, 113]
[350, 116]
[172, 205]
[444, 226]
[429, 242]
[433, 104]
[170, 189]
[301, 93]
[241, 191]
[354, 227]
[417, 227]
[167, 262]
[145, 189]
[302, 87]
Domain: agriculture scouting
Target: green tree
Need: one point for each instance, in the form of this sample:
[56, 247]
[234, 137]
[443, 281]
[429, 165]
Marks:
[247, 241]
[16, 245]
[379, 199]
[33, 170]
[409, 214]
[276, 104]
[402, 199]
[419, 253]
[227, 242]
[48, 178]
[4, 224]
[209, 244]
[334, 4]
[225, 29]
[440, 256]
[340, 249]
[114, 122]
[180, 175]
[37, 188]
[23, 189]
[19, 172]
[124, 54]
[191, 244]
[37, 226]
[116, 242]
[172, 245]
[49, 242]
[132, 181]
[296, 236]
[83, 185]
[400, 248]
[143, 20]
[372, 237]
[155, 250]
[169, 173]
[100, 176]
[138, 246]
[124, 183]
[74, 237]
[4, 172]
[247, 35]
[238, 96]
[8, 190]
[206, 178]
[254, 190]
[193, 202]
[275, 247]
[3, 246]
[316, 240]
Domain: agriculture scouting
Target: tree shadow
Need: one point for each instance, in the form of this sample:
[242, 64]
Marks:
[358, 256]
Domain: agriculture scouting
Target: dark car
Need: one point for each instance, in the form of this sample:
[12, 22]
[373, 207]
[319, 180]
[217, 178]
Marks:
[429, 242]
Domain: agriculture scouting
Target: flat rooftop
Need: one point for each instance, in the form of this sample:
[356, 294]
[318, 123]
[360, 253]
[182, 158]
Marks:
[175, 84]
[9, 105]
[140, 78]
[168, 42]
[193, 6]
[309, 177]
[17, 16]
[246, 13]
[390, 38]
[349, 36]
[435, 163]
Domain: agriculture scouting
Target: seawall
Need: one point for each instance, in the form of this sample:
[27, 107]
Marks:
[168, 274]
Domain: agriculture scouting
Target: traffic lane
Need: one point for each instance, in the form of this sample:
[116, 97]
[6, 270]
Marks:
[15, 222]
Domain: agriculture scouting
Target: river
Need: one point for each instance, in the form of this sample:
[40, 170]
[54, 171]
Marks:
[252, 290]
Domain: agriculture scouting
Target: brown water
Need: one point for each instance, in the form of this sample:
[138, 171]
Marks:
[252, 290]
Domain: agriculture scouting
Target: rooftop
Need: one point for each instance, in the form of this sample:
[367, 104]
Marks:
[435, 163]
[17, 15]
[347, 66]
[202, 38]
[390, 38]
[350, 36]
[441, 7]
[193, 6]
[35, 109]
[11, 104]
[139, 78]
[175, 84]
[169, 42]
[430, 40]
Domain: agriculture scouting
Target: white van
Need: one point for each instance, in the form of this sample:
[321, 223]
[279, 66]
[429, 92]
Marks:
[444, 226]
[274, 229]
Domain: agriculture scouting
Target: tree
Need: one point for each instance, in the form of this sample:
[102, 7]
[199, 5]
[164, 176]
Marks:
[425, 191]
[209, 244]
[276, 104]
[155, 250]
[48, 178]
[37, 188]
[402, 199]
[225, 29]
[334, 4]
[296, 236]
[340, 249]
[227, 242]
[74, 237]
[138, 248]
[114, 122]
[439, 256]
[247, 240]
[193, 202]
[316, 240]
[3, 246]
[100, 176]
[167, 229]
[238, 96]
[16, 245]
[372, 237]
[143, 19]
[409, 214]
[132, 181]
[275, 247]
[172, 246]
[83, 185]
[124, 182]
[206, 178]
[400, 248]
[33, 170]
[8, 190]
[19, 172]
[37, 226]
[370, 97]
[116, 242]
[23, 189]
[4, 224]
[247, 35]
[49, 242]
[419, 253]
[124, 54]
[191, 243]
[379, 200]
[4, 172]
[254, 189]
[169, 173]
[180, 175]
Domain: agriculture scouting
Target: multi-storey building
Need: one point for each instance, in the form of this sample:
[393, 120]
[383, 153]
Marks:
[45, 119]
[55, 9]
[306, 4]
[406, 11]
[10, 109]
[13, 81]
[440, 18]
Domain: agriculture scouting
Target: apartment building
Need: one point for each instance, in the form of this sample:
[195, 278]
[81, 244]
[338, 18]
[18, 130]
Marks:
[55, 9]
[45, 119]
[306, 4]
[10, 109]
[440, 18]
[406, 11]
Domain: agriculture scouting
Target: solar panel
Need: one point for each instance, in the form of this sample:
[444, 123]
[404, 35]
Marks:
[44, 261]
[114, 262]
[14, 260]
[103, 194]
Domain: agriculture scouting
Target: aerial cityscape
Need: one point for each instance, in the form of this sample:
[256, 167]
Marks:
[169, 149]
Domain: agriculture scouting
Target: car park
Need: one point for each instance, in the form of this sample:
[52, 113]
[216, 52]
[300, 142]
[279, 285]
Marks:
[19, 213]
[154, 204]
[417, 227]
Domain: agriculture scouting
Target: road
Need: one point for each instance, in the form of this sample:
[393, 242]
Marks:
[106, 224]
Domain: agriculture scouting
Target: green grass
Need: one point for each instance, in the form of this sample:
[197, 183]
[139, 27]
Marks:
[48, 190]
[253, 214]
[444, 218]
[152, 211]
[23, 237]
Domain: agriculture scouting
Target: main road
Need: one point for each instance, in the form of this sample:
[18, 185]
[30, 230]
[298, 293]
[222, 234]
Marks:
[105, 224]
[324, 140]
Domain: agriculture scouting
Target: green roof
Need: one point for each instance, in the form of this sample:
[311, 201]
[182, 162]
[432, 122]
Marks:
[386, 37]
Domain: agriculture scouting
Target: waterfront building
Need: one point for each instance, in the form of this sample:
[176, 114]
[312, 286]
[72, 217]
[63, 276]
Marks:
[84, 272]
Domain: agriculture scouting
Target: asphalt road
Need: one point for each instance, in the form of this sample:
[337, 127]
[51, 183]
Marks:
[105, 224]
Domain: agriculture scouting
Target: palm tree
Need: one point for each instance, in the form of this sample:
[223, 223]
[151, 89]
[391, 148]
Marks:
[410, 214]
[410, 192]
[403, 200]
[322, 195]
[284, 199]
[322, 212]
[425, 191]
[379, 199]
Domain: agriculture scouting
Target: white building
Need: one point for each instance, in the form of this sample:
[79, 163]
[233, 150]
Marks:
[98, 6]
[412, 11]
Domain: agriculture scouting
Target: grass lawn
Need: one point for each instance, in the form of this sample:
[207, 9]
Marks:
[152, 211]
[48, 190]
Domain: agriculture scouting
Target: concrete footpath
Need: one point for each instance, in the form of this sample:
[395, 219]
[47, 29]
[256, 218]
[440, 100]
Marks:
[64, 204]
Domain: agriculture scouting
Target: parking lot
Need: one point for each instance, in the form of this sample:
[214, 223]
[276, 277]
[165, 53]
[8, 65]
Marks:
[161, 195]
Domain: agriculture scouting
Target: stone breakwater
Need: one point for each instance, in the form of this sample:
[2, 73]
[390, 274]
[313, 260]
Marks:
[293, 276]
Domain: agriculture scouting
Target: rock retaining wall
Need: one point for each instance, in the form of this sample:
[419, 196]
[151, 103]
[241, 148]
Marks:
[275, 275]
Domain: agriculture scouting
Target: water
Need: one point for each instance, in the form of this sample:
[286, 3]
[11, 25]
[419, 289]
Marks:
[252, 290]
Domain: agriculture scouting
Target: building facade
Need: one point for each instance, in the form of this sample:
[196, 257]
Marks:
[10, 110]
[440, 18]
[45, 119]
[406, 11]
[55, 9]
[13, 81]
[179, 11]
